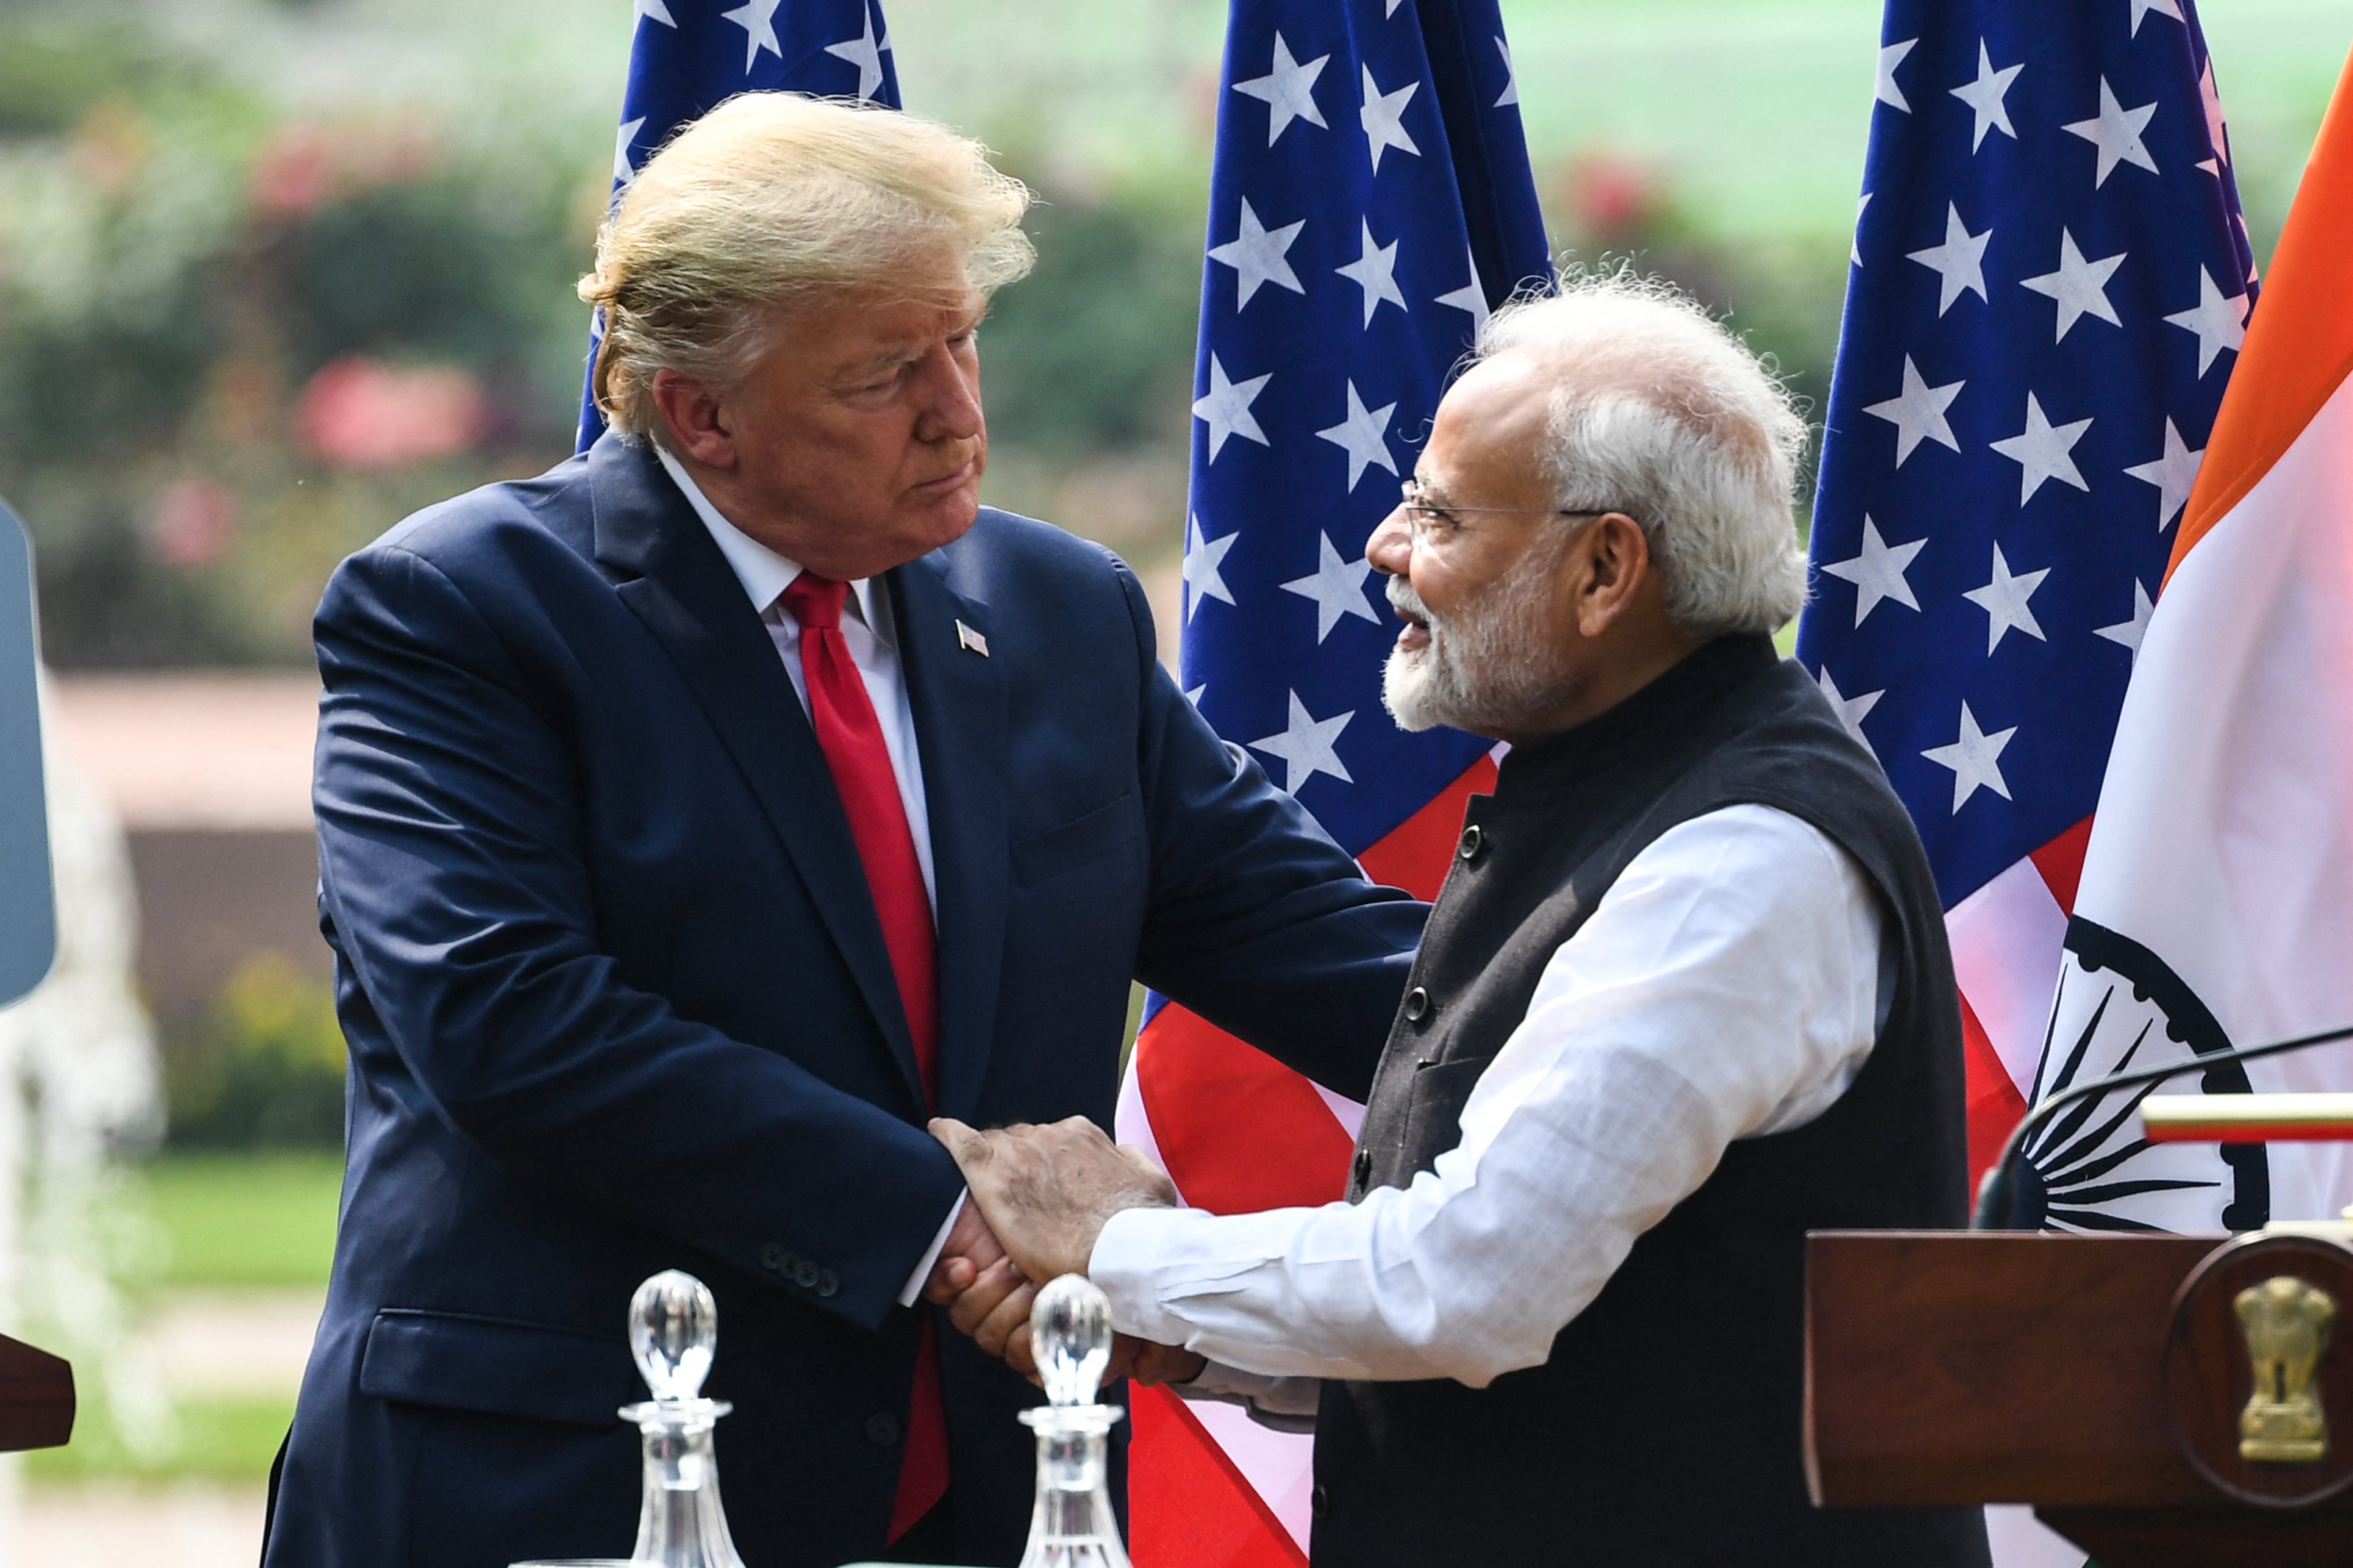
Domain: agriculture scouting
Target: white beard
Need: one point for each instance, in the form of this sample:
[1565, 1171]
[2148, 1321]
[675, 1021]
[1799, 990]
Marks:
[1489, 667]
[1423, 687]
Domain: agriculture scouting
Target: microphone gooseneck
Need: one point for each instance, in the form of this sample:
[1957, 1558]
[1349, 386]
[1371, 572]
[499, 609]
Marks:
[1995, 1191]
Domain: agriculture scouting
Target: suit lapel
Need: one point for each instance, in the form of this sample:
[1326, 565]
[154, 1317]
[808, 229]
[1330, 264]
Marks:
[677, 583]
[958, 697]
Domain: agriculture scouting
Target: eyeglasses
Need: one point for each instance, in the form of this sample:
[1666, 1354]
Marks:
[1423, 517]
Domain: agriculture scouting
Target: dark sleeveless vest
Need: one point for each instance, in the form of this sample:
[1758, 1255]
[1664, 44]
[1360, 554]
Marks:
[1663, 1431]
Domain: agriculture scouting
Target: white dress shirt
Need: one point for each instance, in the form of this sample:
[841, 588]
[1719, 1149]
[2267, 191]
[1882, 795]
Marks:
[872, 640]
[1729, 984]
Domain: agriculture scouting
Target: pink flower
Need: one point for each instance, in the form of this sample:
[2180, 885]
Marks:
[1612, 197]
[194, 522]
[359, 413]
[294, 173]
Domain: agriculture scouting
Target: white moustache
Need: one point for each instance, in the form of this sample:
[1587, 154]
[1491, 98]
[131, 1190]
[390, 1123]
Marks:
[1401, 596]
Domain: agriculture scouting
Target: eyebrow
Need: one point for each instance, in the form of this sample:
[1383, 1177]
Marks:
[892, 359]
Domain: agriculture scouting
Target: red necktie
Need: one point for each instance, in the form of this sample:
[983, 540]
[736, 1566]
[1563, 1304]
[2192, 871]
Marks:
[851, 738]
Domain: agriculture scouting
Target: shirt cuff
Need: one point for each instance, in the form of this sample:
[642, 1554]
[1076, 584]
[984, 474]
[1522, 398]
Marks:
[1121, 1267]
[931, 1255]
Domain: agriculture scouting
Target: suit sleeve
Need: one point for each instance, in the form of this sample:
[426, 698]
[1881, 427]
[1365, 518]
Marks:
[449, 817]
[1259, 921]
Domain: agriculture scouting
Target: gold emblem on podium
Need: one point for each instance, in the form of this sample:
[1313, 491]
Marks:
[2286, 1323]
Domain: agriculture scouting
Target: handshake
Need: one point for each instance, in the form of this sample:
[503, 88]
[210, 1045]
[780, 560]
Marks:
[1039, 1198]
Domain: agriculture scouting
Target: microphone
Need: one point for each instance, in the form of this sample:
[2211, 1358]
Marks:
[1994, 1193]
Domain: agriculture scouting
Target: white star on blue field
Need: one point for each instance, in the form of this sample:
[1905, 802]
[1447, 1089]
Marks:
[1352, 254]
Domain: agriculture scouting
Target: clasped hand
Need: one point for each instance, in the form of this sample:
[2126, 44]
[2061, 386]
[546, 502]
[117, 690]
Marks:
[1040, 1197]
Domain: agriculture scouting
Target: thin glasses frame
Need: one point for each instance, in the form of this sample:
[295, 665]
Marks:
[1420, 515]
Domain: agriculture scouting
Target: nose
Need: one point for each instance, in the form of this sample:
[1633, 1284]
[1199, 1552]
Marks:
[951, 383]
[1390, 549]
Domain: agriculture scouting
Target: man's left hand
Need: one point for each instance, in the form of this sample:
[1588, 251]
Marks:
[969, 1253]
[1047, 1192]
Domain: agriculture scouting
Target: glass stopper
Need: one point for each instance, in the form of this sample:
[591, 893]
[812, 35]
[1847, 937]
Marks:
[673, 1329]
[1070, 1333]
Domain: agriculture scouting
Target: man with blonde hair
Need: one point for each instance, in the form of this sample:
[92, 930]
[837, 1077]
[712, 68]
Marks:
[1685, 996]
[698, 818]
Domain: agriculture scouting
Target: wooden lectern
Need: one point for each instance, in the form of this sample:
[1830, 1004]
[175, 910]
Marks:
[2111, 1382]
[36, 1398]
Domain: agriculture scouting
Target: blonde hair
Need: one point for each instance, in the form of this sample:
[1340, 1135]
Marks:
[769, 197]
[1660, 411]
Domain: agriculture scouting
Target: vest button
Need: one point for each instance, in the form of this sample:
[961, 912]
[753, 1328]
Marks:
[882, 1430]
[1363, 1168]
[1319, 1502]
[1473, 840]
[1416, 1005]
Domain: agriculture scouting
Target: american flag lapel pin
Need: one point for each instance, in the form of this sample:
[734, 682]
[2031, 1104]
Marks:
[968, 638]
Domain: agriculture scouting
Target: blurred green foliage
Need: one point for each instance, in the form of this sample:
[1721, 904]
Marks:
[267, 1072]
[1094, 350]
[179, 260]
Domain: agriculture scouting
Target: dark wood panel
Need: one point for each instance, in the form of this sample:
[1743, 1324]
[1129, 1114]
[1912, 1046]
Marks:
[36, 1398]
[1946, 1368]
[2207, 1538]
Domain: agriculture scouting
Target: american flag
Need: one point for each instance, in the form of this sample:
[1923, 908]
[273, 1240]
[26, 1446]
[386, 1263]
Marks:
[687, 56]
[2048, 288]
[1370, 202]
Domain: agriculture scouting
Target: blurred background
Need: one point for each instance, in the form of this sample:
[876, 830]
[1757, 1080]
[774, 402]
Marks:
[274, 273]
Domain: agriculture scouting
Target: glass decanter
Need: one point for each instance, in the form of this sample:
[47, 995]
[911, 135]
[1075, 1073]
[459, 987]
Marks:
[1073, 1525]
[674, 1331]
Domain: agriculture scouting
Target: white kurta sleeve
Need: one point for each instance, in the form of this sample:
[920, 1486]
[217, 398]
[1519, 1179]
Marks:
[1726, 987]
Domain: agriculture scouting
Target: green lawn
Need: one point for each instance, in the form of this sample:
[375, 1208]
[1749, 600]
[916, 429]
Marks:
[217, 1440]
[229, 1222]
[264, 1219]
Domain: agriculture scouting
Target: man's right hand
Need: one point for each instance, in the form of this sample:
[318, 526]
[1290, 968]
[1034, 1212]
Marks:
[1156, 1364]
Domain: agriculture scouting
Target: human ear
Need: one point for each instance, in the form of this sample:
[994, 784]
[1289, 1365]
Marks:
[697, 423]
[1616, 563]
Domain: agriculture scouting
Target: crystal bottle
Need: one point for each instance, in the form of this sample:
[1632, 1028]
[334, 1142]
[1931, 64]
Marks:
[674, 1331]
[1073, 1525]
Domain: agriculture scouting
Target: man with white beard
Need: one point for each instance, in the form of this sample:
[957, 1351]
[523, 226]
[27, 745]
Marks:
[1684, 997]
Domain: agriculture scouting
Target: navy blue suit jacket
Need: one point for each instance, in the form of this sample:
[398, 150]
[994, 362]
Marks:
[617, 1001]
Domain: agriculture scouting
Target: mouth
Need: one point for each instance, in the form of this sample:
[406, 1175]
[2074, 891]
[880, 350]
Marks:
[954, 479]
[1416, 634]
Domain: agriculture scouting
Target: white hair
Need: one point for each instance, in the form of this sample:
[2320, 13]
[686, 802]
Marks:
[1663, 414]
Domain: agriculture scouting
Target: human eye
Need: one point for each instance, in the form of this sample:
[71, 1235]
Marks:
[1434, 518]
[878, 382]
